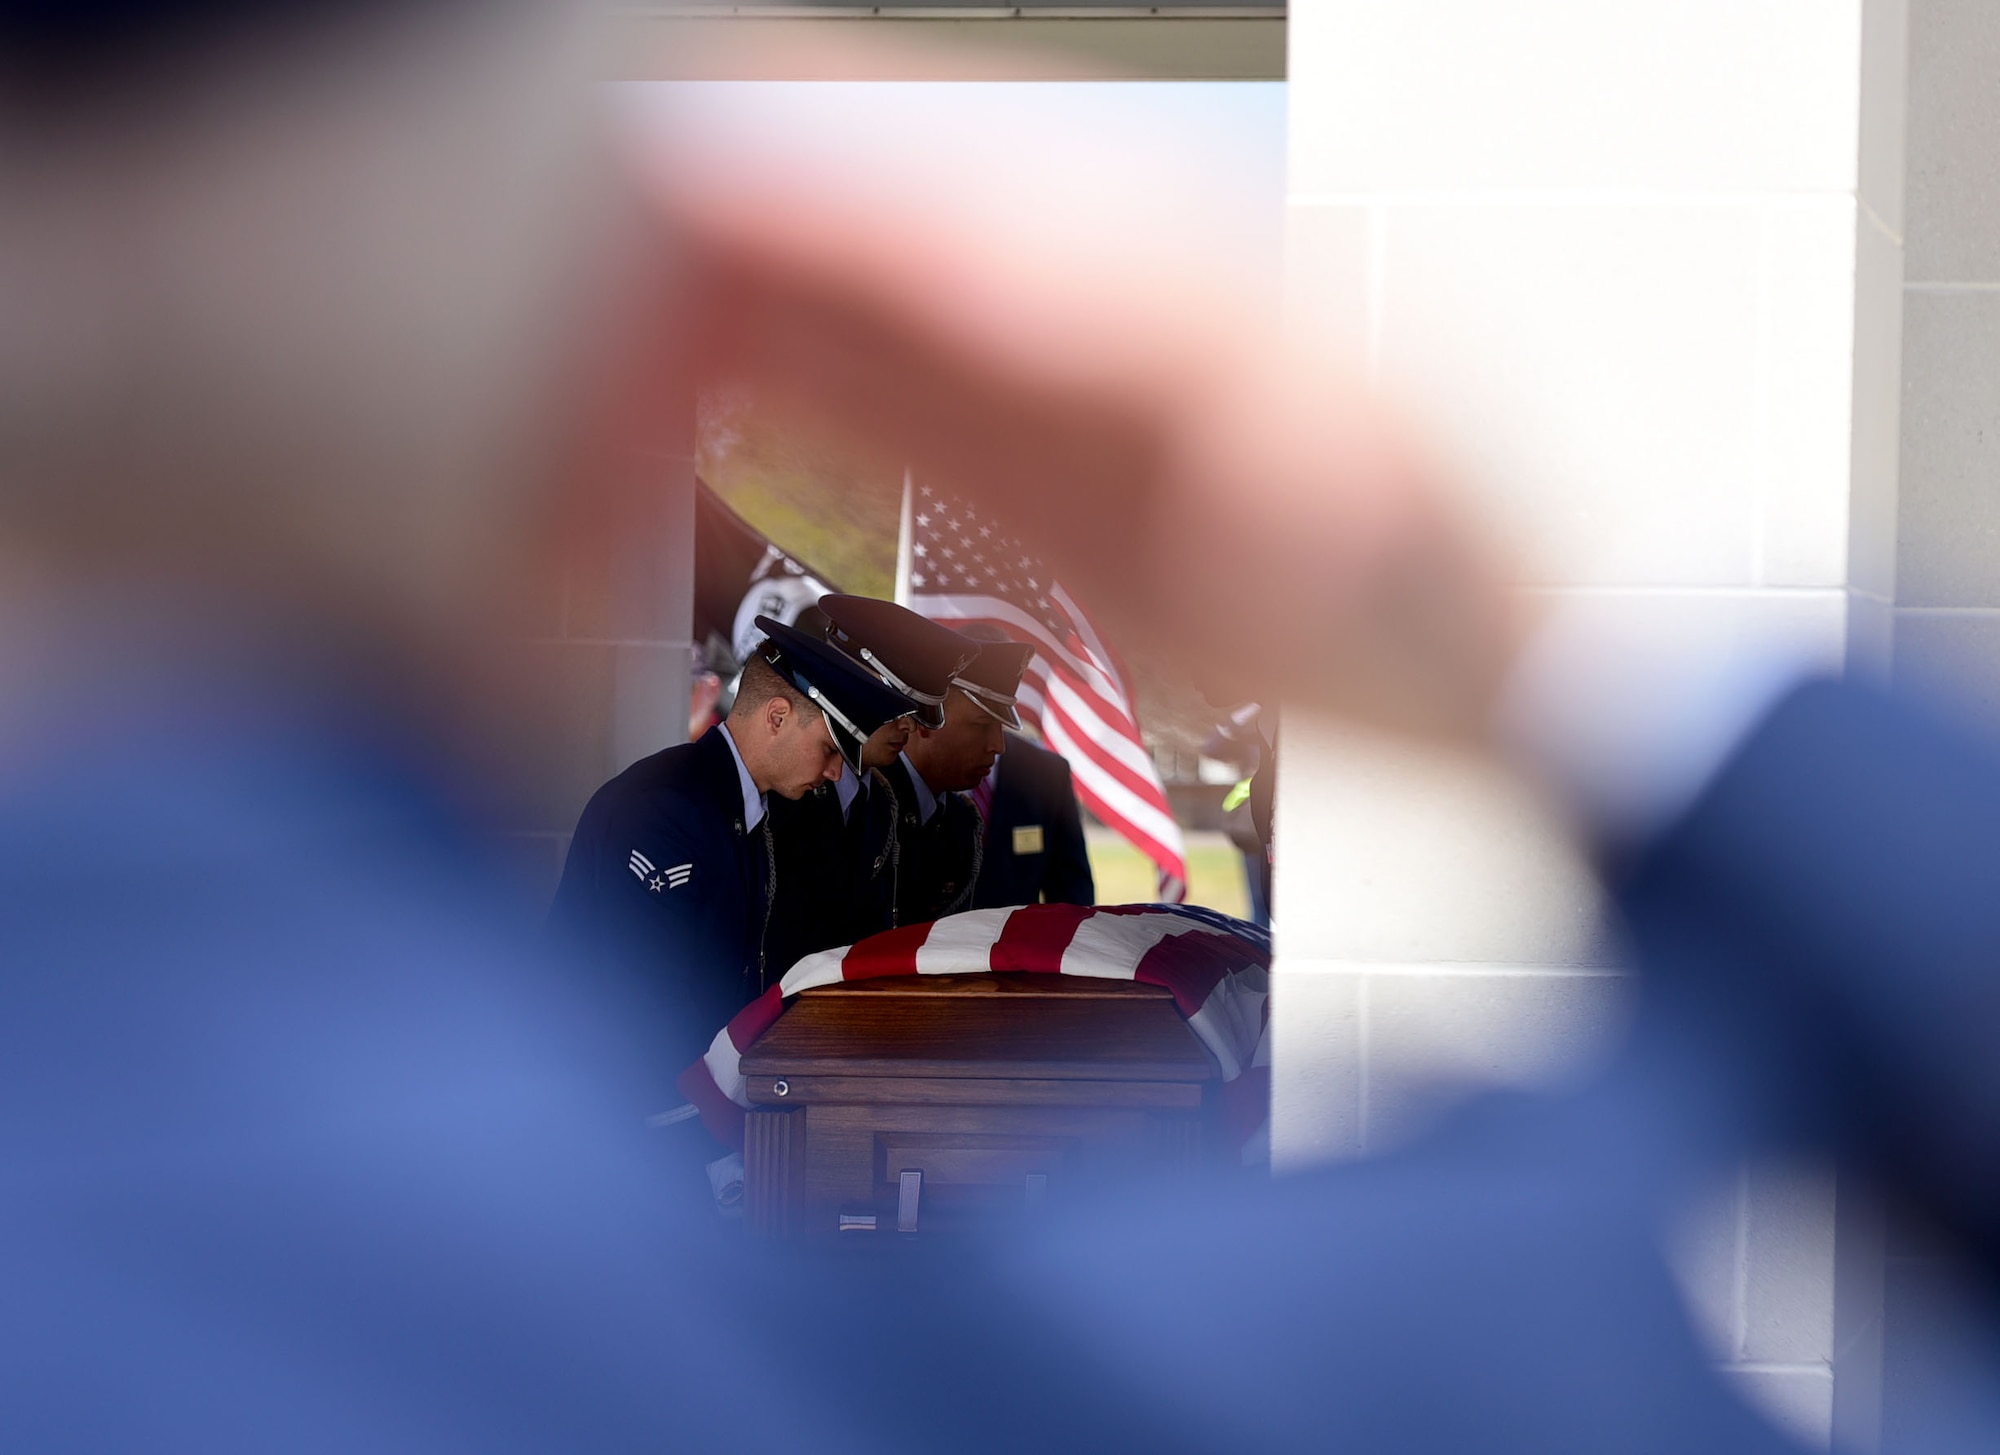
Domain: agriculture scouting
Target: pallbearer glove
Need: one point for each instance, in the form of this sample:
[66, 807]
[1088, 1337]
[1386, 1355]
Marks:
[913, 654]
[855, 701]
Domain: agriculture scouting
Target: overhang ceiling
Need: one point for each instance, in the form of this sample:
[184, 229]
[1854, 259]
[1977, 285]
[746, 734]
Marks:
[757, 41]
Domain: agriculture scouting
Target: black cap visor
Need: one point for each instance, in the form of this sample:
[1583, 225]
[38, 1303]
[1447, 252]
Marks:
[993, 704]
[853, 701]
[930, 705]
[840, 727]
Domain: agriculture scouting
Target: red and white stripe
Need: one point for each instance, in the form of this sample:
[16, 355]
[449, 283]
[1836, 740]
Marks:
[1219, 983]
[1074, 695]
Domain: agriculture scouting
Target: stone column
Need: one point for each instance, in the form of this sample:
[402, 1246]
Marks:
[1636, 269]
[1938, 1335]
[611, 663]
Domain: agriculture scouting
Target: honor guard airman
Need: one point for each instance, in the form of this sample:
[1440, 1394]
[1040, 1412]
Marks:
[939, 832]
[836, 848]
[670, 871]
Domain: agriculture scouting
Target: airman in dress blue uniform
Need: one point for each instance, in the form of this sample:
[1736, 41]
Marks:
[671, 867]
[836, 848]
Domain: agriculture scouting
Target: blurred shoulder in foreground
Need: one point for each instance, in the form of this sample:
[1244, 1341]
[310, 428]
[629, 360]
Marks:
[302, 1147]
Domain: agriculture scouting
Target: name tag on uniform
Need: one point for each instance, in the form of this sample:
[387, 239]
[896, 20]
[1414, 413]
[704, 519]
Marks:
[1028, 839]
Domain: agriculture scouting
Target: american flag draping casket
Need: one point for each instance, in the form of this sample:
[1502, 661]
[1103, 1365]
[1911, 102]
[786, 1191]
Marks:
[1028, 1043]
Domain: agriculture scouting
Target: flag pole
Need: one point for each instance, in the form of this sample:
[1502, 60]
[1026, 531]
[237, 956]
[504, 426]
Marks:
[904, 533]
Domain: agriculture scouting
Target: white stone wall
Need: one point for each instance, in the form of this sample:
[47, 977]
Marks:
[1637, 269]
[607, 659]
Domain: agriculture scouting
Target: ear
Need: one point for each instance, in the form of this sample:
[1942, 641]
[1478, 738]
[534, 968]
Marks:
[776, 713]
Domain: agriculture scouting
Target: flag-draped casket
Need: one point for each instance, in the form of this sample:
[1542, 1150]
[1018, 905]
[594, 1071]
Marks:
[989, 1060]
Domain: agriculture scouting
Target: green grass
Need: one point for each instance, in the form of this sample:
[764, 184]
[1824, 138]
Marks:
[835, 513]
[1125, 876]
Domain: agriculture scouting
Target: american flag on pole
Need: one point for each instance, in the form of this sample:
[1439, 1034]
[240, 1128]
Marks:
[963, 569]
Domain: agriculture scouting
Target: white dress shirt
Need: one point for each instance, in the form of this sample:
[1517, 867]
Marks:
[753, 801]
[848, 787]
[927, 801]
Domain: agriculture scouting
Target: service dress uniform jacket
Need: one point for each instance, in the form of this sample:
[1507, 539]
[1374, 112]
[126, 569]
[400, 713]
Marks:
[813, 880]
[1034, 851]
[935, 862]
[834, 871]
[665, 877]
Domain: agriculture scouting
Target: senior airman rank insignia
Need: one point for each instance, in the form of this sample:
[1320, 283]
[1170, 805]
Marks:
[658, 879]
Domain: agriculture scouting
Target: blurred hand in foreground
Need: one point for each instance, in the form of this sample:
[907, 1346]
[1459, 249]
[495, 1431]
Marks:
[1197, 478]
[386, 387]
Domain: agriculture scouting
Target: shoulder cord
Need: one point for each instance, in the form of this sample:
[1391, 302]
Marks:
[770, 897]
[892, 851]
[964, 897]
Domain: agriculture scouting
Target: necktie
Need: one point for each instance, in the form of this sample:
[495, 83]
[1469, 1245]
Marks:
[982, 799]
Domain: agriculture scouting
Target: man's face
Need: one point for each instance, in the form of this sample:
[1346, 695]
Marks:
[886, 742]
[803, 754]
[956, 756]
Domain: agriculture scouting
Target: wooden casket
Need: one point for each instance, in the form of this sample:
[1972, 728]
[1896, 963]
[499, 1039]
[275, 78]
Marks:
[923, 1103]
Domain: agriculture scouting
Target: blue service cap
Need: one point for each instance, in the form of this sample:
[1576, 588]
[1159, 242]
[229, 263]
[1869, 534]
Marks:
[993, 681]
[855, 701]
[913, 654]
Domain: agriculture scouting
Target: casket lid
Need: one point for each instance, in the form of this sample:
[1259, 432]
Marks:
[1044, 1027]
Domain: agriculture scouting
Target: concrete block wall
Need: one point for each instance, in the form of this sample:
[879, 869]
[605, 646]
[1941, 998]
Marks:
[1758, 1260]
[1940, 1337]
[1638, 270]
[1947, 618]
